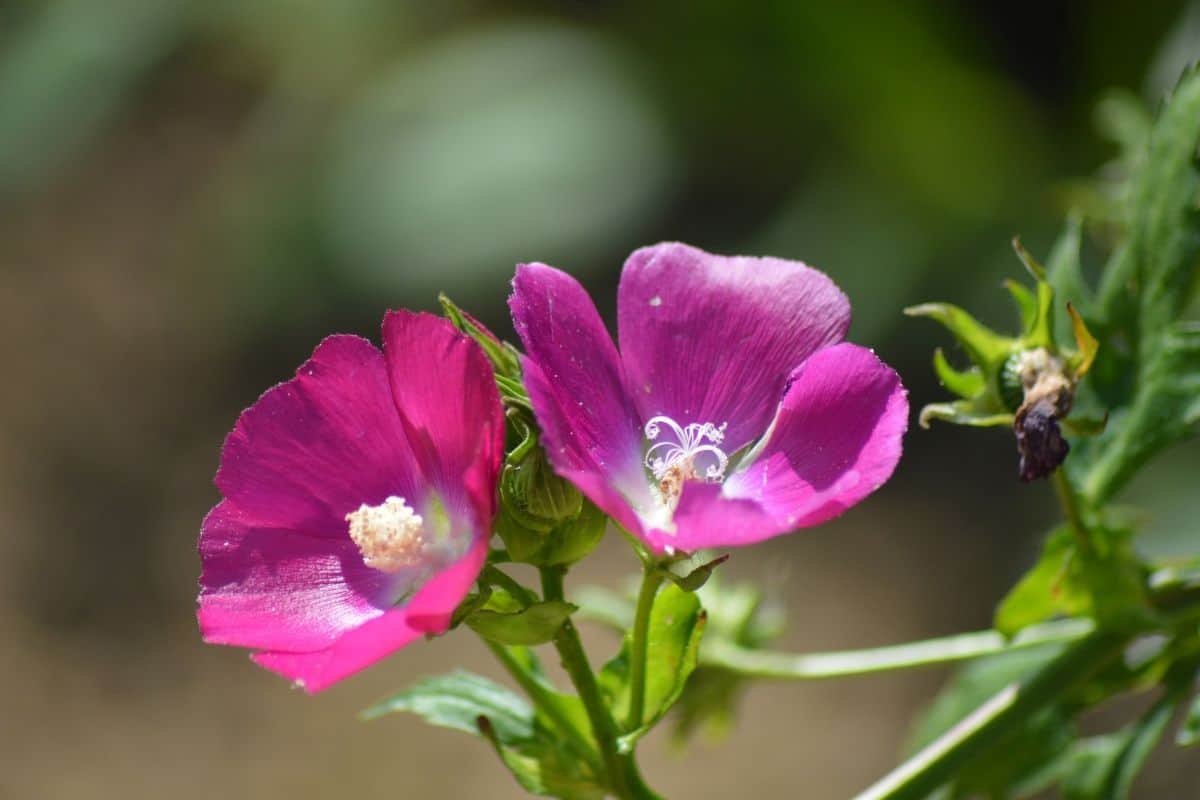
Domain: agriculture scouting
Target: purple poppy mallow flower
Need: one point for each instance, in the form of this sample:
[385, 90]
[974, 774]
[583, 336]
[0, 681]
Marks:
[732, 412]
[358, 502]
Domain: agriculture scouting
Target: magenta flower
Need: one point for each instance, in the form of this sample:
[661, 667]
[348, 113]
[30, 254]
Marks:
[733, 412]
[358, 500]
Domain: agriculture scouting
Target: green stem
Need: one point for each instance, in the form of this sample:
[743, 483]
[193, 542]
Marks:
[937, 762]
[543, 697]
[624, 780]
[817, 666]
[1070, 507]
[652, 578]
[1176, 594]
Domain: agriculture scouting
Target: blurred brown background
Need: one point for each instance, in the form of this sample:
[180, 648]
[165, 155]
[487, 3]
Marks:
[194, 192]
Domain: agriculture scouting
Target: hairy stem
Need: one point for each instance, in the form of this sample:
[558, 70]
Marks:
[652, 578]
[624, 780]
[817, 666]
[1070, 507]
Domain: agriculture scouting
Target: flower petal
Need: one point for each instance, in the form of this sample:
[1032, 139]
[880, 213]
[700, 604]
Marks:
[314, 448]
[269, 588]
[707, 338]
[705, 518]
[575, 383]
[429, 612]
[449, 406]
[835, 439]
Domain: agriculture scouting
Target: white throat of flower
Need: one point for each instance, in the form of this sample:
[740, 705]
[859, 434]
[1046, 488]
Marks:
[674, 462]
[388, 535]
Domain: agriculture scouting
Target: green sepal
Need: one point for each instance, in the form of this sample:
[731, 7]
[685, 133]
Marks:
[1040, 332]
[966, 384]
[1027, 305]
[505, 360]
[983, 346]
[534, 624]
[964, 412]
[672, 648]
[565, 543]
[1086, 343]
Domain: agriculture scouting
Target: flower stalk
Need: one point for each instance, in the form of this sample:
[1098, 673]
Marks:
[624, 780]
[652, 578]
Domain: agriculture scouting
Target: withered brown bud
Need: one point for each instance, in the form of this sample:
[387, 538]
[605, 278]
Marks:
[1049, 394]
[1039, 440]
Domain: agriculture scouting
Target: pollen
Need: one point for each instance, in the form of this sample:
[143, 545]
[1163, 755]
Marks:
[673, 463]
[388, 535]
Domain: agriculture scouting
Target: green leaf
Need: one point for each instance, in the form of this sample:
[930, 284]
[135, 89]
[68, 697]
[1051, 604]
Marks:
[457, 700]
[527, 746]
[533, 625]
[1189, 731]
[1025, 761]
[1104, 767]
[541, 768]
[672, 648]
[1149, 363]
[1107, 585]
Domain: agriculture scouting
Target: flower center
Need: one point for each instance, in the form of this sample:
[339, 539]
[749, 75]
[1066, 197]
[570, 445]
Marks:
[388, 535]
[674, 460]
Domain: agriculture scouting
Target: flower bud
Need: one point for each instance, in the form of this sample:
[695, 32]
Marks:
[1025, 381]
[544, 519]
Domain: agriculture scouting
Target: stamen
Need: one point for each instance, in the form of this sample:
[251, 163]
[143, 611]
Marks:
[388, 535]
[674, 462]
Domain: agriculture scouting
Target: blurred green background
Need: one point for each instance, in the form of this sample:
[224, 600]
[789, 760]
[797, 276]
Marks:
[194, 192]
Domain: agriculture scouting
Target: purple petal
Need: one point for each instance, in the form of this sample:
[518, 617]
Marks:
[705, 518]
[428, 612]
[314, 448]
[590, 429]
[708, 338]
[450, 408]
[835, 439]
[268, 588]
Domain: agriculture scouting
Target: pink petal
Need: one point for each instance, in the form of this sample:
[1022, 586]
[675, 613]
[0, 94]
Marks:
[707, 338]
[314, 448]
[269, 588]
[705, 518]
[590, 428]
[835, 439]
[450, 408]
[428, 612]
